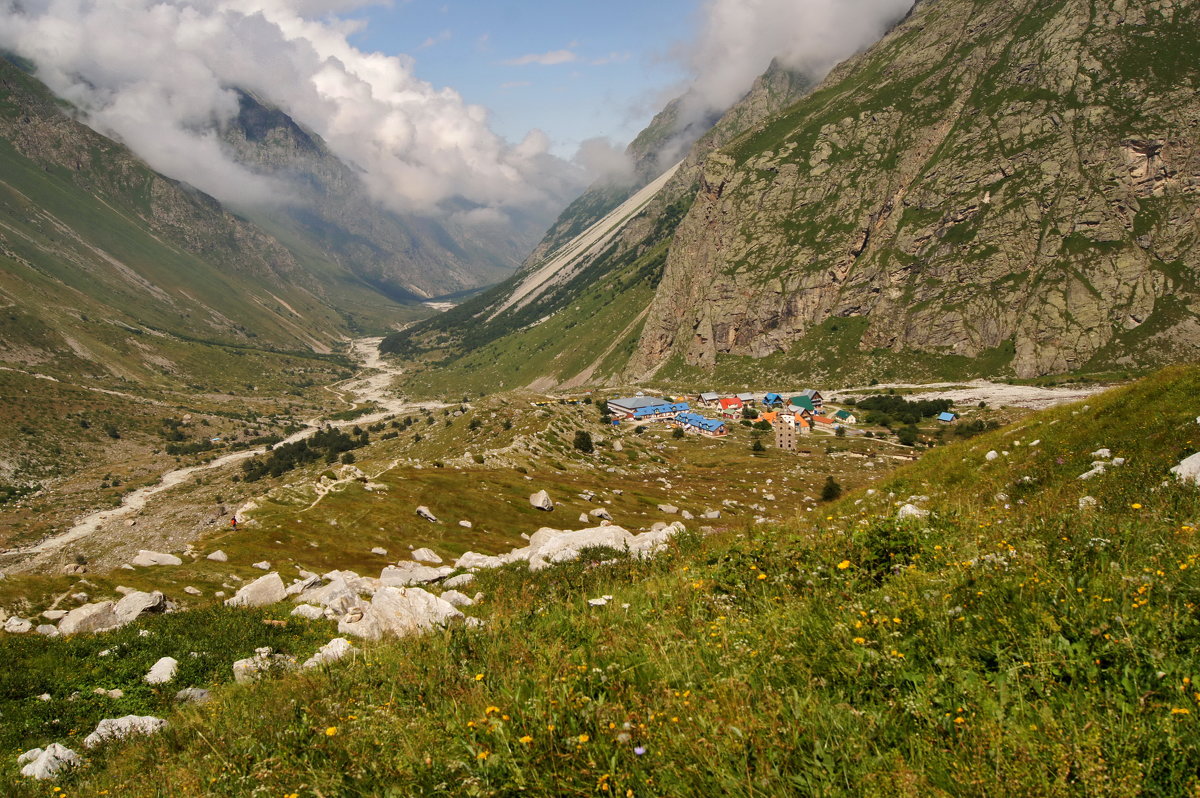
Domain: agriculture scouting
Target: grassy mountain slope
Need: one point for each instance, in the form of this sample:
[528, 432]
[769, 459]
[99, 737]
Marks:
[990, 177]
[1014, 644]
[580, 327]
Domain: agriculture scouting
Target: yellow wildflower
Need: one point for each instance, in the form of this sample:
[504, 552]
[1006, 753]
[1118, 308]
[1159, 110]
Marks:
[1136, 506]
[762, 576]
[583, 738]
[1180, 711]
[482, 755]
[526, 740]
[331, 731]
[843, 565]
[479, 677]
[860, 640]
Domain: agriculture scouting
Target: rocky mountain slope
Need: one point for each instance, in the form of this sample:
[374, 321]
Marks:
[993, 189]
[1016, 181]
[329, 212]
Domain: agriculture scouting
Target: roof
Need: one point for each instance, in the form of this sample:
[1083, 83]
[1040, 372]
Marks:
[635, 402]
[694, 420]
[659, 409]
[710, 396]
[772, 397]
[823, 419]
[746, 397]
[811, 393]
[802, 401]
[947, 417]
[842, 414]
[732, 401]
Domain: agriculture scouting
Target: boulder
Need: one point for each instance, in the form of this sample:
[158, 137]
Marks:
[472, 560]
[338, 594]
[583, 518]
[711, 515]
[136, 603]
[146, 559]
[74, 569]
[424, 512]
[1188, 470]
[427, 555]
[162, 671]
[262, 566]
[669, 509]
[466, 524]
[1087, 502]
[119, 728]
[567, 545]
[411, 573]
[332, 651]
[264, 660]
[686, 516]
[47, 630]
[303, 583]
[457, 599]
[911, 511]
[53, 615]
[462, 580]
[193, 591]
[399, 612]
[193, 695]
[265, 590]
[47, 763]
[654, 541]
[601, 513]
[309, 611]
[542, 501]
[218, 556]
[90, 618]
[992, 455]
[380, 550]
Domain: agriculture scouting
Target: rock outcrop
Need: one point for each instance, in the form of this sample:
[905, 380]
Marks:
[47, 763]
[265, 590]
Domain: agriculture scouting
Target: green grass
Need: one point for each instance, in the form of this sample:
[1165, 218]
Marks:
[1033, 649]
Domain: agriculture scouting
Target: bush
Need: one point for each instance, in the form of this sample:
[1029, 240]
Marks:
[583, 441]
[678, 433]
[757, 446]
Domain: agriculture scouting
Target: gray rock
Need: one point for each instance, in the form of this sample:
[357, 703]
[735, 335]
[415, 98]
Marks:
[992, 455]
[192, 591]
[308, 611]
[120, 728]
[263, 662]
[262, 566]
[303, 584]
[466, 524]
[137, 603]
[218, 556]
[424, 512]
[406, 573]
[685, 515]
[117, 693]
[398, 612]
[380, 550]
[542, 501]
[911, 511]
[601, 513]
[669, 509]
[47, 763]
[47, 630]
[1088, 502]
[147, 558]
[54, 615]
[332, 651]
[162, 671]
[462, 580]
[90, 618]
[426, 555]
[265, 590]
[711, 515]
[457, 599]
[193, 695]
[1188, 470]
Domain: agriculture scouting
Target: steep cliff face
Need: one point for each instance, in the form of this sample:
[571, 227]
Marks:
[1019, 178]
[328, 208]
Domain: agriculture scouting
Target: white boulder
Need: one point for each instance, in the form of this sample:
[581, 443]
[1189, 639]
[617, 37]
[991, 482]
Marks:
[1188, 470]
[669, 509]
[218, 556]
[411, 573]
[193, 695]
[462, 580]
[90, 618]
[332, 651]
[601, 513]
[264, 660]
[162, 671]
[457, 599]
[427, 555]
[265, 590]
[1087, 502]
[262, 566]
[992, 455]
[911, 511]
[424, 512]
[308, 611]
[542, 501]
[119, 728]
[147, 558]
[398, 611]
[136, 603]
[47, 763]
[380, 550]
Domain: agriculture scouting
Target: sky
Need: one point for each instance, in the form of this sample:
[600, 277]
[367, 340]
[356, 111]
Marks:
[483, 109]
[576, 69]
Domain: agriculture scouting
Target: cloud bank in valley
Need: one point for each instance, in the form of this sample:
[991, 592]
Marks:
[159, 75]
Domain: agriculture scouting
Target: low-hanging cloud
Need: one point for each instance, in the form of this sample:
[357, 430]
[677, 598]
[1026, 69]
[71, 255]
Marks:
[161, 75]
[739, 38]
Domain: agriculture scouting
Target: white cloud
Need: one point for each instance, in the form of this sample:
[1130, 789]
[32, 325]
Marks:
[551, 58]
[433, 41]
[160, 74]
[739, 38]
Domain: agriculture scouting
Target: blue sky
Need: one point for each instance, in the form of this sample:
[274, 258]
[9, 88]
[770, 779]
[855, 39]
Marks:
[610, 66]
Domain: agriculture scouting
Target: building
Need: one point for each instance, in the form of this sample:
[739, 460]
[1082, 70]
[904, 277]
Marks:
[746, 398]
[845, 417]
[787, 431]
[731, 407]
[824, 421]
[709, 399]
[712, 427]
[802, 402]
[772, 399]
[645, 408]
[815, 397]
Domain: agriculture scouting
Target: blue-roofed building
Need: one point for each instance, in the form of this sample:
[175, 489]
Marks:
[947, 418]
[659, 412]
[712, 427]
[628, 406]
[772, 399]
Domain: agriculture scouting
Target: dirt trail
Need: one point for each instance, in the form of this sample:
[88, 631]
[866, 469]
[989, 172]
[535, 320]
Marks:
[996, 394]
[370, 385]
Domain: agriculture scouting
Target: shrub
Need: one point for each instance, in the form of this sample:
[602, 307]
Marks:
[678, 433]
[831, 491]
[583, 441]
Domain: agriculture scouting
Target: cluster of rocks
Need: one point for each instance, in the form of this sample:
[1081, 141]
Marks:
[1104, 460]
[95, 617]
[49, 762]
